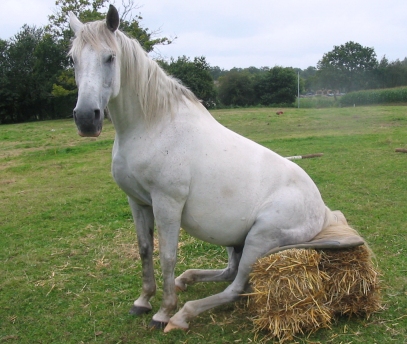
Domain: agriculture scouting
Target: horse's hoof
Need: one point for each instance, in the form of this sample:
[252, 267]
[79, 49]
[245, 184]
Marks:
[171, 326]
[136, 310]
[180, 286]
[157, 325]
[179, 289]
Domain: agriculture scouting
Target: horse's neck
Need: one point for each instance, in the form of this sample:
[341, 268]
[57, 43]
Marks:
[126, 113]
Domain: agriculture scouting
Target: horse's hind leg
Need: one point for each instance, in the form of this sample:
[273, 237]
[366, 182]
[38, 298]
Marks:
[193, 276]
[258, 243]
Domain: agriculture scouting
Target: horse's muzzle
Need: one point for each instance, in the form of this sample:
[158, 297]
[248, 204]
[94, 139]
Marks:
[89, 123]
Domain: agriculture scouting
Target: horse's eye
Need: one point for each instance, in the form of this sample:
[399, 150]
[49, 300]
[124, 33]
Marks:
[110, 58]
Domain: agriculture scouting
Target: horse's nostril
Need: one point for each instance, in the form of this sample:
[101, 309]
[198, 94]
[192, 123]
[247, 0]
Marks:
[74, 115]
[97, 114]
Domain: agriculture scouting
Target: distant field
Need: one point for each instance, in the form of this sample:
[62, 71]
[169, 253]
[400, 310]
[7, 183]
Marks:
[69, 266]
[374, 97]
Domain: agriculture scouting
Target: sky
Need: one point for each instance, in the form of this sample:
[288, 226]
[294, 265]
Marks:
[259, 33]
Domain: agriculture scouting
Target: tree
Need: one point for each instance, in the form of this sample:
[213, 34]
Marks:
[391, 74]
[87, 10]
[308, 76]
[7, 96]
[277, 86]
[236, 88]
[30, 63]
[195, 75]
[217, 72]
[348, 67]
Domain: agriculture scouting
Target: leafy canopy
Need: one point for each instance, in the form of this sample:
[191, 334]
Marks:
[347, 66]
[196, 75]
[96, 10]
[277, 86]
[236, 88]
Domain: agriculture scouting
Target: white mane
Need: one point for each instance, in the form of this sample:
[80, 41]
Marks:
[158, 93]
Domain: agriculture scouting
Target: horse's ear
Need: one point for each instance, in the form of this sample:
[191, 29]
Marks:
[74, 22]
[112, 19]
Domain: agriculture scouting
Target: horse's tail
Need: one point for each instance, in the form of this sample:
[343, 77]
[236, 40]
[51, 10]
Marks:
[335, 221]
[336, 226]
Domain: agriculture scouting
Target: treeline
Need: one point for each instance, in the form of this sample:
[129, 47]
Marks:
[347, 68]
[237, 87]
[37, 80]
[252, 86]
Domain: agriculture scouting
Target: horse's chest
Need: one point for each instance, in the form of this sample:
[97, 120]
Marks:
[129, 180]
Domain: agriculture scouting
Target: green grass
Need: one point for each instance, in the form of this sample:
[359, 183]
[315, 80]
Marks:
[69, 265]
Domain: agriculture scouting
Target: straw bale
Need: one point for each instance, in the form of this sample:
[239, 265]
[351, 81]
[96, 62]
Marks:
[299, 291]
[288, 294]
[353, 287]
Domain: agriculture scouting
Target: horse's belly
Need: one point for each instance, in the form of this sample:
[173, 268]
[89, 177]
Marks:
[216, 228]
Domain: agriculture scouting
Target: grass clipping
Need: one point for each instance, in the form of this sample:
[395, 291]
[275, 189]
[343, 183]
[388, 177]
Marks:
[298, 291]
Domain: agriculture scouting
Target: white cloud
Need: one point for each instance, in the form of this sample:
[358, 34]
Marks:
[15, 14]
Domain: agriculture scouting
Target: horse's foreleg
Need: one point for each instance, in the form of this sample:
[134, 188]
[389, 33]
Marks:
[193, 276]
[167, 213]
[144, 221]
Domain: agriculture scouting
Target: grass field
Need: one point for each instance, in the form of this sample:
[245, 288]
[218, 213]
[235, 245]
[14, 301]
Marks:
[69, 266]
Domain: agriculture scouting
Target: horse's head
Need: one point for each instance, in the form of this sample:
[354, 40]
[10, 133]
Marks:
[97, 70]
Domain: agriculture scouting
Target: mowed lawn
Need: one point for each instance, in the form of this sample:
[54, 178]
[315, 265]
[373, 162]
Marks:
[69, 265]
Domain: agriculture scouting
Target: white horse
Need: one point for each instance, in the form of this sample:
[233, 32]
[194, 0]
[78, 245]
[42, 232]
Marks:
[180, 168]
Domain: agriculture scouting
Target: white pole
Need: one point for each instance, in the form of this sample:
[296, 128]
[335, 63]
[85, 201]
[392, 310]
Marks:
[306, 156]
[298, 89]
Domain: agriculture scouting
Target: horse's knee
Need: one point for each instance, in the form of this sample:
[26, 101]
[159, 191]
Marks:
[145, 251]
